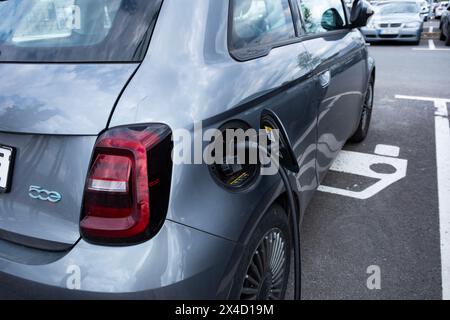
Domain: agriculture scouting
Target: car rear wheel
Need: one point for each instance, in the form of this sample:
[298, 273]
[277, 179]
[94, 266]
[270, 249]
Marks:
[366, 115]
[264, 270]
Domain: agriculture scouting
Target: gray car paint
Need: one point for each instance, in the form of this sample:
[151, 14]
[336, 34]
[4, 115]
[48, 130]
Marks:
[344, 57]
[149, 270]
[49, 110]
[60, 99]
[187, 77]
[55, 163]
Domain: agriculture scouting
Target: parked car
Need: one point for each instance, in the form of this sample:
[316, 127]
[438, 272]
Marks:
[434, 6]
[395, 21]
[92, 204]
[424, 9]
[444, 26]
[440, 9]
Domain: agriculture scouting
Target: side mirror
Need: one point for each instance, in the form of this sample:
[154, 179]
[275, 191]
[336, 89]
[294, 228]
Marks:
[360, 13]
[332, 20]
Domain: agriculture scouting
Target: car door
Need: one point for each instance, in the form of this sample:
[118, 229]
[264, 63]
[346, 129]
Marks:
[258, 40]
[338, 60]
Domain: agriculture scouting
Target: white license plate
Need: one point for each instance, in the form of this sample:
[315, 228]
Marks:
[6, 160]
[389, 31]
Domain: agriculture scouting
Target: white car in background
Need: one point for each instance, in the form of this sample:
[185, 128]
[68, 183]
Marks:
[424, 9]
[440, 9]
[395, 20]
[423, 5]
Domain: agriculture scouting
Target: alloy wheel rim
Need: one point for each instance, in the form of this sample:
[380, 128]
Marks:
[266, 271]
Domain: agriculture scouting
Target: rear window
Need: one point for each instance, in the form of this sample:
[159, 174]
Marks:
[76, 30]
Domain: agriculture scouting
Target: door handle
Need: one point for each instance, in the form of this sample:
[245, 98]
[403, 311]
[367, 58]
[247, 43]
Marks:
[325, 79]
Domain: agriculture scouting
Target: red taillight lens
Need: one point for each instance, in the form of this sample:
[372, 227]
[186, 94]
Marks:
[121, 181]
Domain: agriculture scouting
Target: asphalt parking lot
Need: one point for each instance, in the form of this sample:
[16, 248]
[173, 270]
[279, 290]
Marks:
[393, 229]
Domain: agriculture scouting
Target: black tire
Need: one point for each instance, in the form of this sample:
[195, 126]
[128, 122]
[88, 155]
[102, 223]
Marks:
[447, 41]
[366, 115]
[263, 272]
[441, 35]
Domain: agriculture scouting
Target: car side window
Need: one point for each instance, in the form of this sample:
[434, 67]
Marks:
[261, 22]
[322, 15]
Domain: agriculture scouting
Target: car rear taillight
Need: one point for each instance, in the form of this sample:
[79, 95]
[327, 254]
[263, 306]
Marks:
[128, 185]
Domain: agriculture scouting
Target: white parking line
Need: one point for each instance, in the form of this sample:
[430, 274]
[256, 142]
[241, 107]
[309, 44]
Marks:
[427, 49]
[431, 44]
[385, 150]
[431, 47]
[442, 128]
[431, 29]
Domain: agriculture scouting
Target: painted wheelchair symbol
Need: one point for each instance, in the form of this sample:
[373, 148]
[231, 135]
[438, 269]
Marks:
[364, 164]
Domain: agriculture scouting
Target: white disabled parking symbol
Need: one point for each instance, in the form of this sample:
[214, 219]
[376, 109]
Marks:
[371, 166]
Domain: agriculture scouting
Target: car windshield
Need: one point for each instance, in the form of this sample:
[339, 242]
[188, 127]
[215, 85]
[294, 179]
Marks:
[398, 7]
[75, 30]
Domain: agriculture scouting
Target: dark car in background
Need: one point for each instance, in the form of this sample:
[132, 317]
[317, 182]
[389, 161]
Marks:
[92, 204]
[444, 26]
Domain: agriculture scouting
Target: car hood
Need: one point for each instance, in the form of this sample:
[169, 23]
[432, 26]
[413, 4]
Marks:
[396, 18]
[62, 99]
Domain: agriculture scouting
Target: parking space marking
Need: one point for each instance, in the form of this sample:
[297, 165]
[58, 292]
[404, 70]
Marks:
[442, 129]
[431, 47]
[431, 44]
[385, 150]
[362, 164]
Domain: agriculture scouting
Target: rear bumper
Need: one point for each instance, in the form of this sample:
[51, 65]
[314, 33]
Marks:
[179, 263]
[404, 35]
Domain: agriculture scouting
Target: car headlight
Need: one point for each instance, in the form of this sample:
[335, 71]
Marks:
[371, 25]
[412, 25]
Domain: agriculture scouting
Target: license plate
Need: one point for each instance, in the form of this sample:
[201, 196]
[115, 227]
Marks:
[6, 164]
[389, 31]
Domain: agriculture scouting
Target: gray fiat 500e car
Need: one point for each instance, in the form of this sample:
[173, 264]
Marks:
[92, 203]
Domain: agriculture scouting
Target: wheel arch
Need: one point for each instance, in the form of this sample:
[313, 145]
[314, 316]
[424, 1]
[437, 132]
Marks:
[371, 69]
